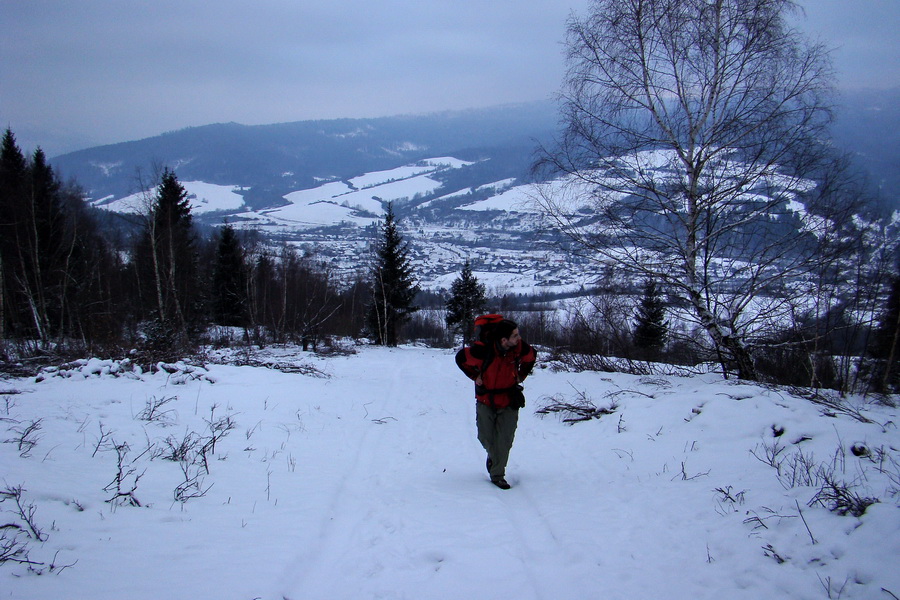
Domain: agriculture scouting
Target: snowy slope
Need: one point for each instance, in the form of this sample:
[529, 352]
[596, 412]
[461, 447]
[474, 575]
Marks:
[204, 198]
[363, 479]
[331, 203]
[517, 199]
[360, 201]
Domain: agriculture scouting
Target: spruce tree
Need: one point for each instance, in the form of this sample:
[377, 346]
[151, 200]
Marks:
[263, 293]
[393, 285]
[13, 198]
[650, 328]
[35, 250]
[168, 258]
[229, 280]
[46, 242]
[467, 300]
[56, 269]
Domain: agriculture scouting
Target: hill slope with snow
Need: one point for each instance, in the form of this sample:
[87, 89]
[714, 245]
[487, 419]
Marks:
[360, 477]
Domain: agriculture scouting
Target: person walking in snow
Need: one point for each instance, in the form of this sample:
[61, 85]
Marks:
[497, 363]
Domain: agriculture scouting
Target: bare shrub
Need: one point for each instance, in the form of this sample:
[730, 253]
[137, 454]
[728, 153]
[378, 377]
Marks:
[839, 497]
[181, 450]
[9, 403]
[154, 411]
[26, 437]
[16, 536]
[803, 470]
[192, 486]
[125, 482]
[218, 429]
[770, 454]
[770, 551]
[103, 442]
[12, 547]
[832, 403]
[730, 496]
[578, 361]
[191, 453]
[25, 512]
[799, 470]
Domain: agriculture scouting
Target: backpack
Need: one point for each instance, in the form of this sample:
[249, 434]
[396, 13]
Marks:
[485, 327]
[486, 333]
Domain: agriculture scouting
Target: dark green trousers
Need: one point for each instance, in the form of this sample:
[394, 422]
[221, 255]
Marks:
[496, 431]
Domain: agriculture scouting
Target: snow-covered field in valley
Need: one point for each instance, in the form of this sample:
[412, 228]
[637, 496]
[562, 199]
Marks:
[360, 476]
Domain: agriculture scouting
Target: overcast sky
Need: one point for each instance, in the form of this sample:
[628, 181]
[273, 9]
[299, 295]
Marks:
[76, 73]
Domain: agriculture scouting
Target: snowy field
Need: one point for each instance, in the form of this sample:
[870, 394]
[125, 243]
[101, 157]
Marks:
[204, 198]
[360, 477]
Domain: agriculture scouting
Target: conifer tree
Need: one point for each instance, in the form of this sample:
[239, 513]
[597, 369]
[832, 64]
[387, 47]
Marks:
[393, 285]
[167, 257]
[229, 280]
[650, 328]
[56, 269]
[35, 251]
[261, 288]
[13, 194]
[467, 300]
[44, 243]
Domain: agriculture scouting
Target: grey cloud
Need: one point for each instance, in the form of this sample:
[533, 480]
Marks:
[116, 70]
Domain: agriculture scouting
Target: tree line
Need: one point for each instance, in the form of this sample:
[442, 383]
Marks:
[72, 283]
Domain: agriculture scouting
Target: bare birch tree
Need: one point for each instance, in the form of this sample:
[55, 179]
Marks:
[692, 139]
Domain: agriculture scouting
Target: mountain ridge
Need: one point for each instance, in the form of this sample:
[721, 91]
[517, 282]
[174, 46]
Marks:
[270, 160]
[278, 158]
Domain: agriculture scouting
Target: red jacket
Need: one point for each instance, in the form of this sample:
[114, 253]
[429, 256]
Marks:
[502, 372]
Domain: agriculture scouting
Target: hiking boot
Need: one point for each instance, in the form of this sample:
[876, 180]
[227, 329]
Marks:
[501, 483]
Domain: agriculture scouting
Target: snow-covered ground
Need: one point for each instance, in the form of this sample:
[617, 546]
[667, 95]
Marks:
[360, 477]
[517, 199]
[204, 198]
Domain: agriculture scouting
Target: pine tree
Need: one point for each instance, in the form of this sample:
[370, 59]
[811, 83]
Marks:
[393, 286]
[229, 280]
[467, 300]
[650, 328]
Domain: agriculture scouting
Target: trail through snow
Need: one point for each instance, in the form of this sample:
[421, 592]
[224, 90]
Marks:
[369, 483]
